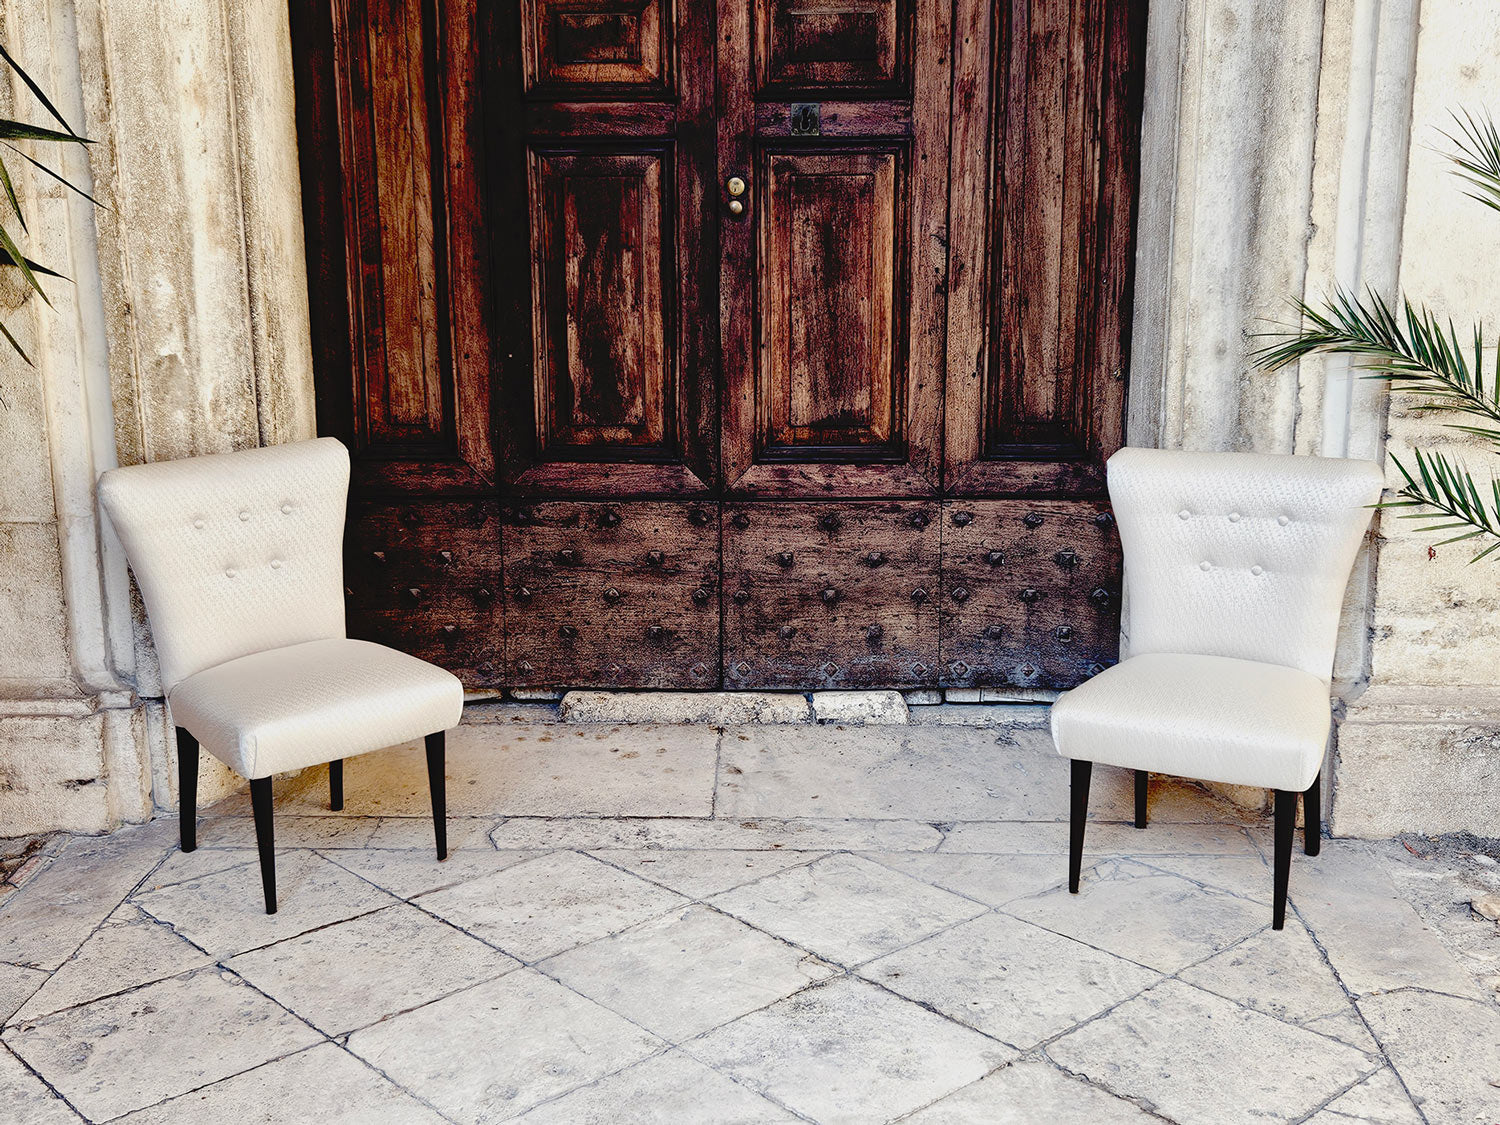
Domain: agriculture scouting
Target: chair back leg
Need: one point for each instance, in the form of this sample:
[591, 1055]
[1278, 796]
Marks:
[336, 785]
[1286, 829]
[187, 790]
[1312, 817]
[265, 837]
[1141, 777]
[1082, 772]
[437, 783]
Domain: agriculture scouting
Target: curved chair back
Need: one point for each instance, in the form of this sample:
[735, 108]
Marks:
[235, 553]
[1243, 555]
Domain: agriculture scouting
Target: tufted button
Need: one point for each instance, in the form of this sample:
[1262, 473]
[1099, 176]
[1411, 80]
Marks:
[1205, 565]
[275, 564]
[286, 509]
[198, 524]
[1184, 514]
[231, 573]
[1283, 520]
[244, 516]
[1234, 517]
[1257, 571]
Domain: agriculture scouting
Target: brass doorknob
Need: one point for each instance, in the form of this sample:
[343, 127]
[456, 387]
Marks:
[736, 207]
[735, 186]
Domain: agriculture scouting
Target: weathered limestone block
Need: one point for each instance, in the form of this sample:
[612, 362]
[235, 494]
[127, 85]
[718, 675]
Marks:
[719, 708]
[870, 707]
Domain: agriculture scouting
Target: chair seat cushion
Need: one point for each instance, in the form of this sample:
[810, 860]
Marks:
[1208, 717]
[315, 702]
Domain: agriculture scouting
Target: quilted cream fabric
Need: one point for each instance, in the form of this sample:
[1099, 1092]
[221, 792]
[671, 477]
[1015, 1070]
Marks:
[1235, 569]
[1239, 554]
[314, 702]
[1211, 717]
[235, 553]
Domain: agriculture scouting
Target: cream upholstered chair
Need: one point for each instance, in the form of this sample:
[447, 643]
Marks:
[239, 557]
[1235, 568]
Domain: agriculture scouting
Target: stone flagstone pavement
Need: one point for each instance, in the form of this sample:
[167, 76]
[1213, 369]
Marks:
[748, 924]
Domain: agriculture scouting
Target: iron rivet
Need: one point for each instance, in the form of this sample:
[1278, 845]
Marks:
[698, 517]
[568, 557]
[484, 593]
[609, 518]
[446, 556]
[875, 558]
[525, 666]
[655, 558]
[784, 558]
[1063, 633]
[742, 668]
[787, 632]
[741, 520]
[994, 558]
[919, 595]
[962, 519]
[918, 520]
[569, 632]
[1100, 597]
[1103, 521]
[701, 596]
[829, 522]
[959, 594]
[741, 597]
[831, 669]
[829, 595]
[919, 669]
[1033, 519]
[524, 594]
[450, 630]
[414, 593]
[1066, 558]
[655, 632]
[874, 632]
[1031, 594]
[611, 594]
[378, 556]
[994, 632]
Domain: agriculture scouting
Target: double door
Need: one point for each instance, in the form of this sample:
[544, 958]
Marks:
[765, 343]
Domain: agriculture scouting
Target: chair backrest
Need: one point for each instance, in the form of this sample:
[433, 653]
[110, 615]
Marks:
[235, 553]
[1239, 554]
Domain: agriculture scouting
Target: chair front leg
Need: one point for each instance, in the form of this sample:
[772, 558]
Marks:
[1141, 777]
[1312, 817]
[1082, 772]
[1286, 828]
[265, 837]
[436, 782]
[187, 790]
[336, 785]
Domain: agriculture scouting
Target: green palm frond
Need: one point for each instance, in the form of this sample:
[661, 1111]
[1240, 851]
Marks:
[1451, 498]
[10, 130]
[1476, 160]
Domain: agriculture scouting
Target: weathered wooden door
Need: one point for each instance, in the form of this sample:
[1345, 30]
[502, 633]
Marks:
[688, 343]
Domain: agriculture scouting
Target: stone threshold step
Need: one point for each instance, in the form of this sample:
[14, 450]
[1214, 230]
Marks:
[734, 708]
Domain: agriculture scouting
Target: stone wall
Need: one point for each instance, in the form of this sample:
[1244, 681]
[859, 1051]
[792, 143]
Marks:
[185, 330]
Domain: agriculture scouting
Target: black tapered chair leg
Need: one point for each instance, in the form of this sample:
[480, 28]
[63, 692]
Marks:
[1140, 798]
[1286, 829]
[1082, 772]
[336, 785]
[265, 837]
[1312, 817]
[436, 781]
[187, 790]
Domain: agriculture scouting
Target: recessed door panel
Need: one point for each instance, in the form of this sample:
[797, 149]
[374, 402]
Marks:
[602, 254]
[580, 48]
[828, 45]
[832, 291]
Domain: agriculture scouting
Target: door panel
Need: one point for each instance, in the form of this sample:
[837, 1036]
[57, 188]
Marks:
[1042, 244]
[832, 277]
[830, 292]
[1031, 593]
[831, 595]
[612, 595]
[605, 284]
[862, 45]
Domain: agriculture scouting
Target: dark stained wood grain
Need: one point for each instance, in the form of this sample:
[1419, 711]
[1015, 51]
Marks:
[612, 595]
[619, 47]
[830, 595]
[1030, 594]
[821, 45]
[426, 577]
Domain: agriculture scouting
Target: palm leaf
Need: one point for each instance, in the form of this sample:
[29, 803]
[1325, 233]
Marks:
[10, 193]
[39, 166]
[20, 131]
[37, 90]
[36, 267]
[18, 260]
